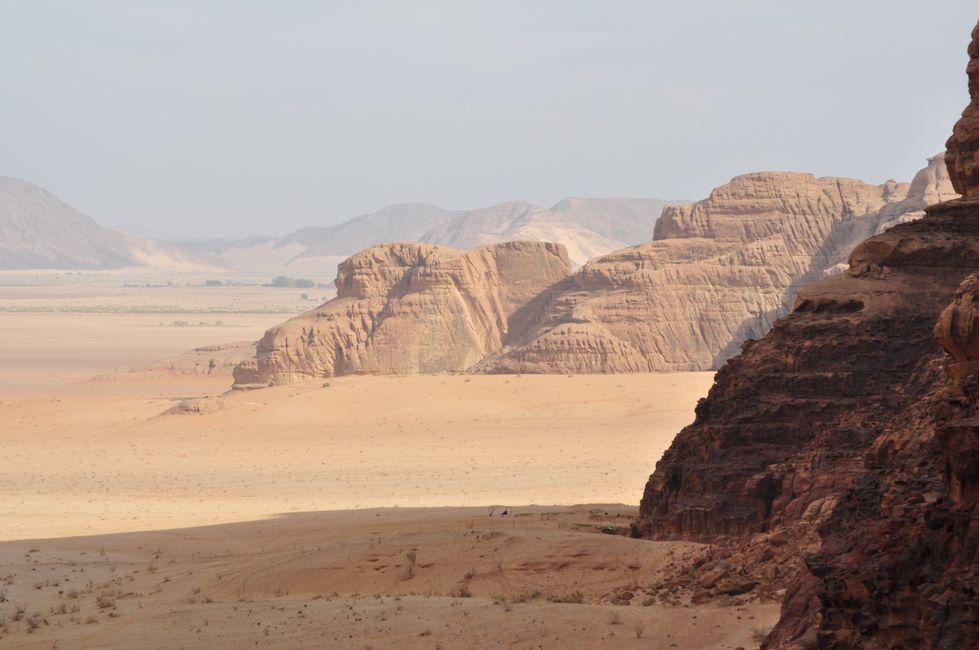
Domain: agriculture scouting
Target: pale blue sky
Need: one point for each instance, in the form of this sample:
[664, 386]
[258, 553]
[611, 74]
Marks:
[207, 118]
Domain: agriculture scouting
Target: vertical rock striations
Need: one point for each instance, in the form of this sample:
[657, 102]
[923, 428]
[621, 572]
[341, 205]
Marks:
[849, 427]
[718, 272]
[410, 308]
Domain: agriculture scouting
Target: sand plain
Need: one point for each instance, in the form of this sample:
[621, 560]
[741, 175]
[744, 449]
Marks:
[124, 526]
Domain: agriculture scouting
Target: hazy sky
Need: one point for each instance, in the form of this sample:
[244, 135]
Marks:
[207, 118]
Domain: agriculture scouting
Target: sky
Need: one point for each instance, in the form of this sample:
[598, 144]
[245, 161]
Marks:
[206, 118]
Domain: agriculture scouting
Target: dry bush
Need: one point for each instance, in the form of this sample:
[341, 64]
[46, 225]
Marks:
[105, 601]
[638, 627]
[575, 598]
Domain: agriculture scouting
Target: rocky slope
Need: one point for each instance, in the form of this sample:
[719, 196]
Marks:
[718, 272]
[411, 308]
[843, 447]
[38, 231]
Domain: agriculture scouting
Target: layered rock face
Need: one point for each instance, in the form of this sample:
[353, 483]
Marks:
[718, 272]
[851, 437]
[410, 308]
[963, 146]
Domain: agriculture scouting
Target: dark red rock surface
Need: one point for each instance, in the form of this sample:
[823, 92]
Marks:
[963, 147]
[851, 437]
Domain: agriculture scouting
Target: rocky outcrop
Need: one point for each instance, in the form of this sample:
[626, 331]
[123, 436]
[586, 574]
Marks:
[963, 146]
[217, 360]
[718, 272]
[848, 434]
[411, 308]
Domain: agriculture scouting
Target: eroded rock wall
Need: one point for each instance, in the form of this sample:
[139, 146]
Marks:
[850, 434]
[718, 272]
[408, 308]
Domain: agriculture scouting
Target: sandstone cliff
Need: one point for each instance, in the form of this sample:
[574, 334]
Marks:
[410, 308]
[718, 272]
[840, 453]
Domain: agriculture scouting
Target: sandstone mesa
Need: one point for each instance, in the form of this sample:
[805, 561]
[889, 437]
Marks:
[410, 308]
[717, 272]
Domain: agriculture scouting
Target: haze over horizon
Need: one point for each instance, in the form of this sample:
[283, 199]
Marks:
[199, 119]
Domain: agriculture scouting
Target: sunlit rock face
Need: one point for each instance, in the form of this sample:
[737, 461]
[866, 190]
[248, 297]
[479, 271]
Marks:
[408, 308]
[717, 273]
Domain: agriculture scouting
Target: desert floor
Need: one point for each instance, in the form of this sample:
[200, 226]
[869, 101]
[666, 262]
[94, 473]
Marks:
[287, 517]
[395, 578]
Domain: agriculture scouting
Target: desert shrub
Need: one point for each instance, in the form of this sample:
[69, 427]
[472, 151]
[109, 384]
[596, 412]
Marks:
[105, 601]
[34, 621]
[575, 597]
[638, 628]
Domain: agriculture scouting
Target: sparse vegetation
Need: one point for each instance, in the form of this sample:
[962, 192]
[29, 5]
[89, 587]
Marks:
[575, 597]
[34, 621]
[638, 628]
[412, 558]
[523, 598]
[105, 601]
[283, 282]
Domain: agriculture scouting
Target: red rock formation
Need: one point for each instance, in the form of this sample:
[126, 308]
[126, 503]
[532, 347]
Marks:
[963, 146]
[848, 426]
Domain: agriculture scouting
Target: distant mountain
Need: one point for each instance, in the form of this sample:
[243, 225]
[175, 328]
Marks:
[39, 231]
[630, 221]
[398, 222]
[317, 249]
[587, 227]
